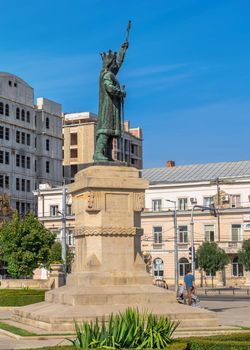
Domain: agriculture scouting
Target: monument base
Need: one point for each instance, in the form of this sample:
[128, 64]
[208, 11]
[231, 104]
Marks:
[108, 274]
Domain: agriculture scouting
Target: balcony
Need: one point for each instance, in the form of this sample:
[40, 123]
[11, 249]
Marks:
[230, 247]
[157, 246]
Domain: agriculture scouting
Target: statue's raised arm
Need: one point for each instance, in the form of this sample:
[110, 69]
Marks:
[124, 47]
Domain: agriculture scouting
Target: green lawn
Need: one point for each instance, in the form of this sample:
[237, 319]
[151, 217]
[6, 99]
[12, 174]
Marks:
[20, 297]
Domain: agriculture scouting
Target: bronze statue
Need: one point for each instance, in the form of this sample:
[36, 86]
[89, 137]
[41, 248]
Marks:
[111, 97]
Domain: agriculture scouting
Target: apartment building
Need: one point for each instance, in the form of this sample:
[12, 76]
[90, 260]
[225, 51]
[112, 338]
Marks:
[30, 140]
[79, 131]
[50, 210]
[227, 186]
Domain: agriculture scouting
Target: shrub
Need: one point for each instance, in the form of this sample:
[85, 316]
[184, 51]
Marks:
[201, 344]
[127, 330]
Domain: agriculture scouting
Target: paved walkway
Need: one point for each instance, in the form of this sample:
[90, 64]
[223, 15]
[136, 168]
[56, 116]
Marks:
[231, 312]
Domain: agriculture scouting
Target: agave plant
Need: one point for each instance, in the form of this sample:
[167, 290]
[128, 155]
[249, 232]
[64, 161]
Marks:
[127, 330]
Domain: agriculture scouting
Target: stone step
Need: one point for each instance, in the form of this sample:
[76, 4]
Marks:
[59, 317]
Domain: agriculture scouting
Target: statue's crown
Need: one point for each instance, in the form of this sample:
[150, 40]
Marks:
[107, 58]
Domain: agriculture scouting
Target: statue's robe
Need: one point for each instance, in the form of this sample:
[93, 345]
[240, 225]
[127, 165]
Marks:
[109, 115]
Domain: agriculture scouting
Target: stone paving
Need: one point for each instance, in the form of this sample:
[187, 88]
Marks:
[231, 312]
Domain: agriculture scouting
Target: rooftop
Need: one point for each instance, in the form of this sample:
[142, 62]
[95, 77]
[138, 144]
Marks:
[197, 172]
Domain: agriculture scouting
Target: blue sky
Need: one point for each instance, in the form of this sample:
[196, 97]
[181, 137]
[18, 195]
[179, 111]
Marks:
[186, 72]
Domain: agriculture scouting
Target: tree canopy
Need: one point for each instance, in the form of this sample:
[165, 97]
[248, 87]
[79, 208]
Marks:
[25, 245]
[244, 255]
[211, 258]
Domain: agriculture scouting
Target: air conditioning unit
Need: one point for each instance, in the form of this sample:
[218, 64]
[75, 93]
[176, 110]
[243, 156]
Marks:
[193, 200]
[225, 198]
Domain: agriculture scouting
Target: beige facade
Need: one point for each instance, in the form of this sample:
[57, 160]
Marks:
[186, 187]
[79, 143]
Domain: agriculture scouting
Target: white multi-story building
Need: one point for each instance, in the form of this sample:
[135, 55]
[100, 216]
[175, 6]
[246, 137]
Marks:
[227, 186]
[30, 140]
[50, 211]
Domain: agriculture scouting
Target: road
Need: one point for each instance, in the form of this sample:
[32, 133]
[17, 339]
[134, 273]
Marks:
[232, 310]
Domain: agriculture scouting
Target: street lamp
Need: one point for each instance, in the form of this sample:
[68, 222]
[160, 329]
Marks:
[203, 208]
[176, 265]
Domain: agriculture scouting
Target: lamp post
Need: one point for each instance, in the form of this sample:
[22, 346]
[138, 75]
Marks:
[203, 208]
[176, 265]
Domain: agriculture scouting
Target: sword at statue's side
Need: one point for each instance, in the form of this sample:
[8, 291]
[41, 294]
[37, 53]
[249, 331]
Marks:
[123, 131]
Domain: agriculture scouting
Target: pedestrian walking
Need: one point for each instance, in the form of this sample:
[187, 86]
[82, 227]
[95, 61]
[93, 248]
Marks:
[189, 283]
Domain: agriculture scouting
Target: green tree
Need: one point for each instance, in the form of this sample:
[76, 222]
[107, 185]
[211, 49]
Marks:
[211, 258]
[55, 255]
[244, 255]
[25, 245]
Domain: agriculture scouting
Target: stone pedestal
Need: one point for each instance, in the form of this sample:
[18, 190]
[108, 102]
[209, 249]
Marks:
[108, 274]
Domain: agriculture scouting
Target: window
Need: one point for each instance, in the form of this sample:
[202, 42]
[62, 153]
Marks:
[7, 158]
[17, 136]
[236, 232]
[208, 201]
[28, 117]
[28, 186]
[27, 207]
[7, 134]
[71, 238]
[7, 110]
[23, 138]
[73, 138]
[47, 167]
[23, 161]
[35, 142]
[237, 269]
[15, 84]
[17, 160]
[156, 204]
[28, 162]
[35, 165]
[68, 209]
[1, 107]
[7, 182]
[157, 233]
[28, 139]
[184, 266]
[209, 233]
[158, 267]
[1, 181]
[17, 113]
[23, 185]
[47, 123]
[17, 206]
[73, 170]
[1, 132]
[210, 274]
[17, 184]
[54, 210]
[1, 157]
[73, 153]
[47, 145]
[182, 203]
[22, 209]
[35, 119]
[235, 201]
[183, 234]
[10, 83]
[23, 115]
